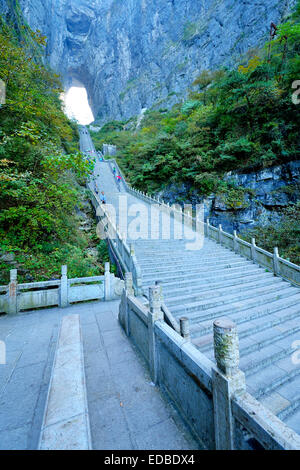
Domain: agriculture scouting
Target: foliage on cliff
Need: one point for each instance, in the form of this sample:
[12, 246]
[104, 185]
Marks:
[242, 119]
[285, 235]
[39, 160]
[234, 119]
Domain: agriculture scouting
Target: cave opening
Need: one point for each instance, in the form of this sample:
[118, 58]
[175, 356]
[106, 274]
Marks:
[77, 104]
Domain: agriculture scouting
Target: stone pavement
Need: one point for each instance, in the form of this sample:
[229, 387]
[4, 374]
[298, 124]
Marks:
[126, 410]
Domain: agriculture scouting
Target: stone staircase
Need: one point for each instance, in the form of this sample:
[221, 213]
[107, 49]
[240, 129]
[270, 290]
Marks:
[214, 282]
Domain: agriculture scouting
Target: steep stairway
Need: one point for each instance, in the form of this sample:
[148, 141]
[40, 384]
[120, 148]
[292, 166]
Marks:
[212, 282]
[215, 282]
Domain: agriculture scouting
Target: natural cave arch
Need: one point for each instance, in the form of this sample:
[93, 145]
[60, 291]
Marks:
[76, 101]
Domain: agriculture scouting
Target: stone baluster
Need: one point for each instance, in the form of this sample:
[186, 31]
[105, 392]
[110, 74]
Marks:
[129, 284]
[107, 282]
[13, 292]
[185, 328]
[155, 314]
[253, 249]
[64, 287]
[228, 381]
[208, 226]
[132, 251]
[276, 261]
[220, 234]
[235, 242]
[124, 308]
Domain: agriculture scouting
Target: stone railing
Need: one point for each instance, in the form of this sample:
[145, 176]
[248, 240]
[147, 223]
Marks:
[273, 262]
[62, 292]
[182, 328]
[211, 397]
[117, 242]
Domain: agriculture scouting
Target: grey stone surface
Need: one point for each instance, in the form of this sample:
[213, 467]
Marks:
[66, 424]
[122, 397]
[116, 378]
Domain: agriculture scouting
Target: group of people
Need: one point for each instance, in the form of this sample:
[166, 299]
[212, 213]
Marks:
[102, 195]
[118, 177]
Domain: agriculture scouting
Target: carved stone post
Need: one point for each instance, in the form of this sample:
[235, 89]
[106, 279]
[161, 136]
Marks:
[13, 292]
[155, 314]
[132, 252]
[220, 234]
[185, 328]
[227, 379]
[124, 308]
[107, 283]
[276, 261]
[235, 242]
[129, 284]
[208, 225]
[64, 301]
[253, 249]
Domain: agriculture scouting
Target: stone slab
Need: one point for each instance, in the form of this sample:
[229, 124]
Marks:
[66, 420]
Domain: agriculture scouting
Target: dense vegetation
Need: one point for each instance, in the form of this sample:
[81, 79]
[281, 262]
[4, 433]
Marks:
[285, 235]
[233, 119]
[41, 168]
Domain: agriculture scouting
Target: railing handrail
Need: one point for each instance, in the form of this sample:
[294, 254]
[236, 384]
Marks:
[168, 316]
[170, 319]
[121, 270]
[132, 264]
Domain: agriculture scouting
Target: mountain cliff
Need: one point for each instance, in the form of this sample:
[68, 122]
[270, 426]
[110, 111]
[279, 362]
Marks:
[134, 53]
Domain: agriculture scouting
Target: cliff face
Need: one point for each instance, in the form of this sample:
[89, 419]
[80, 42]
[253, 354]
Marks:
[265, 194]
[131, 54]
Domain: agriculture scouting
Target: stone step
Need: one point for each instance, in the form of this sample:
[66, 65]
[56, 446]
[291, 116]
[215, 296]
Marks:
[214, 269]
[160, 251]
[292, 407]
[143, 243]
[215, 282]
[204, 284]
[256, 361]
[151, 243]
[172, 244]
[203, 337]
[199, 311]
[270, 336]
[277, 378]
[251, 320]
[207, 291]
[228, 274]
[181, 269]
[293, 421]
[199, 262]
[179, 258]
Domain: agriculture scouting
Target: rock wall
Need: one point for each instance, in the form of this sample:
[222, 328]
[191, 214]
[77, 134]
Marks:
[134, 53]
[265, 194]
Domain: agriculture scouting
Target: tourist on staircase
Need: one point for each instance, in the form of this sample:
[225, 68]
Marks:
[103, 198]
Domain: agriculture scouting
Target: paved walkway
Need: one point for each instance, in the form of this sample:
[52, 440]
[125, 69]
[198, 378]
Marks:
[126, 410]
